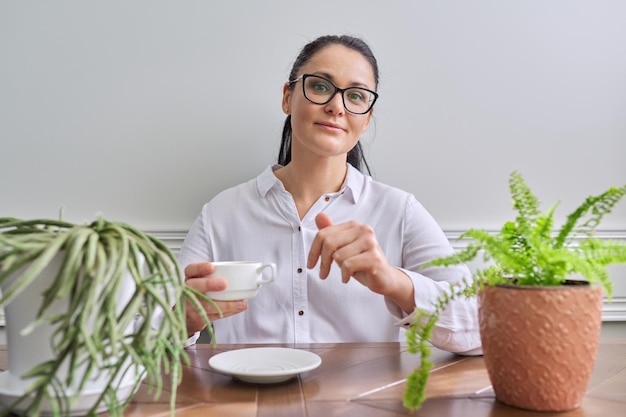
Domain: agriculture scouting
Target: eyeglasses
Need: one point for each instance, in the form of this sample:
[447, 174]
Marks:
[319, 90]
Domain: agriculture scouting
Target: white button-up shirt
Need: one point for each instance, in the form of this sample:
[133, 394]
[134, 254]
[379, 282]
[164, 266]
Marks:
[258, 221]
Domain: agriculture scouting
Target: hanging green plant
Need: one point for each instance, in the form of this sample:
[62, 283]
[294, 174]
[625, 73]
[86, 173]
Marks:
[143, 335]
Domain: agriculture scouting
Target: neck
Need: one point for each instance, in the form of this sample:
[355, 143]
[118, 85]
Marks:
[307, 181]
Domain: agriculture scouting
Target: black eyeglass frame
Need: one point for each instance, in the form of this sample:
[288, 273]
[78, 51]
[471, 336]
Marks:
[303, 77]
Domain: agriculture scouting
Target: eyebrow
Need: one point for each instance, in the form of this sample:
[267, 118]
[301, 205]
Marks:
[331, 78]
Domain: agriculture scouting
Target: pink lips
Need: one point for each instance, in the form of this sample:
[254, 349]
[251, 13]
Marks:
[331, 126]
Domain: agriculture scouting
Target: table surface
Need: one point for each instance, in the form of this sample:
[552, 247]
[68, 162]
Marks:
[365, 379]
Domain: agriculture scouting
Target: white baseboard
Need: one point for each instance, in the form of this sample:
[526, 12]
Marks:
[614, 311]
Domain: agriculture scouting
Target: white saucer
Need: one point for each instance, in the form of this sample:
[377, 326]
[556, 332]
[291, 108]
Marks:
[12, 388]
[264, 365]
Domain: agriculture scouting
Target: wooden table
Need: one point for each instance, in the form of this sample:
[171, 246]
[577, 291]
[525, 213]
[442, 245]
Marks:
[364, 380]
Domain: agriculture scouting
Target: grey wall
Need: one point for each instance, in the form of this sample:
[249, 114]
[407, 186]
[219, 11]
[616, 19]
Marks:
[143, 110]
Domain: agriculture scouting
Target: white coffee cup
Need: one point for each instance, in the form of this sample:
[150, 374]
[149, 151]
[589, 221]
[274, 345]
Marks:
[244, 279]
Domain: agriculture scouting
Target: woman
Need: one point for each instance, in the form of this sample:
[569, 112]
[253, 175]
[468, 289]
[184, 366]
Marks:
[349, 250]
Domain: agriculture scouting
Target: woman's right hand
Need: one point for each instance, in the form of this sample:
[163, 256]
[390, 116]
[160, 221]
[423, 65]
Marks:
[197, 277]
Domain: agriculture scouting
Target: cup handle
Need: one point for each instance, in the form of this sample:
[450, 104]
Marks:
[259, 271]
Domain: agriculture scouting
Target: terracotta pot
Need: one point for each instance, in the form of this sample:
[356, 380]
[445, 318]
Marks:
[540, 343]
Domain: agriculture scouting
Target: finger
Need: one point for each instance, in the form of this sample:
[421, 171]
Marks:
[330, 240]
[205, 285]
[314, 252]
[229, 308]
[343, 243]
[198, 269]
[345, 275]
[226, 308]
[359, 267]
[340, 241]
[194, 319]
[322, 248]
[356, 241]
[322, 221]
[353, 266]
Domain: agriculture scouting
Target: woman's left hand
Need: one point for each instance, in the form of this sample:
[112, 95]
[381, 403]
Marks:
[355, 249]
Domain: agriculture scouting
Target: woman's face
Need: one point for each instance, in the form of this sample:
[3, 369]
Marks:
[328, 130]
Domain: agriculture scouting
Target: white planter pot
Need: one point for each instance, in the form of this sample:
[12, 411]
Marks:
[25, 351]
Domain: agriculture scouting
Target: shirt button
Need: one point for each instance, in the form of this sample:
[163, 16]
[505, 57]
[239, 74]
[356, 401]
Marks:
[299, 270]
[301, 313]
[327, 199]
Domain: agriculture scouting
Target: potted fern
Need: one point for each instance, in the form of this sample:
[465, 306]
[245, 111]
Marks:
[88, 316]
[540, 302]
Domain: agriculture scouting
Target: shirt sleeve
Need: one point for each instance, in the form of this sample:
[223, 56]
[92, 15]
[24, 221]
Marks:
[457, 329]
[196, 247]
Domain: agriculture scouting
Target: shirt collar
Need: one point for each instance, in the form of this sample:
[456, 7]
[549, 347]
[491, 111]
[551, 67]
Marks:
[352, 187]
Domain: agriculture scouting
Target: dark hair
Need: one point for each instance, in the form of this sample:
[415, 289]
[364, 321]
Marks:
[355, 156]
